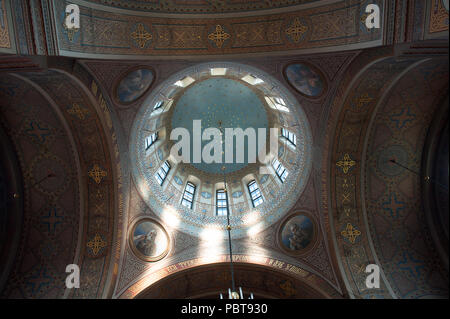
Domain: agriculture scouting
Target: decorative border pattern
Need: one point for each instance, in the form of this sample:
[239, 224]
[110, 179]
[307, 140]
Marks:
[110, 33]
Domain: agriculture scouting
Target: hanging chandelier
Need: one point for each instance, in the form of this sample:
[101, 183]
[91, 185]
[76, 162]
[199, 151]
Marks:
[232, 292]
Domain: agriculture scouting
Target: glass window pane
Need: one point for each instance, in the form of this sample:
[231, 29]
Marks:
[256, 193]
[158, 105]
[188, 196]
[257, 201]
[190, 188]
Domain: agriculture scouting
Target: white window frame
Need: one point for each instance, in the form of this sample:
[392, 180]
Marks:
[255, 193]
[188, 195]
[162, 172]
[150, 140]
[281, 171]
[158, 105]
[289, 136]
[221, 203]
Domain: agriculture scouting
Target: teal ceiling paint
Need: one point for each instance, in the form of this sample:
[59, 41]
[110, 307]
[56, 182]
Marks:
[220, 99]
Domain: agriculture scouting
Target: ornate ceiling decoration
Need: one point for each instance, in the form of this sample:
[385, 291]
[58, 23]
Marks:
[376, 205]
[109, 32]
[165, 200]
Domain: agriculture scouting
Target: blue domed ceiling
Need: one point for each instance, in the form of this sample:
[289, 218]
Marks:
[238, 99]
[215, 101]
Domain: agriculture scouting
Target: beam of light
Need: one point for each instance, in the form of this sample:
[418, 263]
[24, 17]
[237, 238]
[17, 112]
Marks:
[212, 244]
[251, 218]
[170, 216]
[255, 229]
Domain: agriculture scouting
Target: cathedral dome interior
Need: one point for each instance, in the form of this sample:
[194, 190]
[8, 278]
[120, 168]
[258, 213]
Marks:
[186, 149]
[220, 101]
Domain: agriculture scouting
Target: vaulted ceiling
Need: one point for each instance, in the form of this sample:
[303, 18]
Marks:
[68, 180]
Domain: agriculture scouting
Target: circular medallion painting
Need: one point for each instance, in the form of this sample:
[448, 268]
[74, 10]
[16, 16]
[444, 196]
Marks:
[298, 233]
[305, 79]
[134, 85]
[148, 240]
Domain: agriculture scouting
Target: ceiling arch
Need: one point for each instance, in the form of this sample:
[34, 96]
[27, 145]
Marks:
[364, 225]
[210, 280]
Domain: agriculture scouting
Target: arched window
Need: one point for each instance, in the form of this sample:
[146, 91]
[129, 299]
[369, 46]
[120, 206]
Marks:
[149, 140]
[161, 174]
[277, 103]
[188, 195]
[158, 105]
[255, 193]
[280, 169]
[221, 202]
[289, 136]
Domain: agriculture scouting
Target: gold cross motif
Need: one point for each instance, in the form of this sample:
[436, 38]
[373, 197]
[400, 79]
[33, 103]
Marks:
[351, 233]
[96, 244]
[77, 111]
[219, 36]
[141, 35]
[97, 174]
[346, 163]
[296, 30]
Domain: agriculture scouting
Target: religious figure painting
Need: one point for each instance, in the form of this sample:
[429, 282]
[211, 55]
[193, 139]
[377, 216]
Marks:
[149, 240]
[134, 85]
[297, 233]
[305, 79]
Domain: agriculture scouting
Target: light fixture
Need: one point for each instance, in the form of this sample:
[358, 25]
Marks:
[232, 292]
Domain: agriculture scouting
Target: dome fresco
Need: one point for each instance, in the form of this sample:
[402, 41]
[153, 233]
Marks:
[223, 100]
[249, 103]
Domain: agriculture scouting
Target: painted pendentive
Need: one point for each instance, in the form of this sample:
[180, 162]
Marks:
[305, 79]
[149, 240]
[134, 85]
[298, 233]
